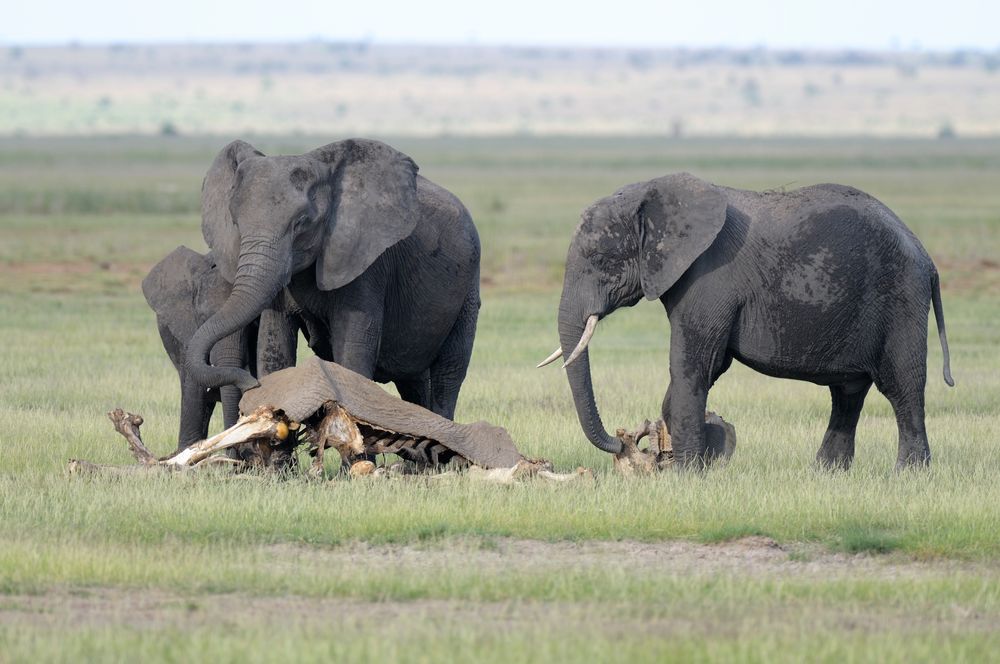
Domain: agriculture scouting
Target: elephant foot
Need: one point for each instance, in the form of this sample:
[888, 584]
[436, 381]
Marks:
[915, 459]
[720, 436]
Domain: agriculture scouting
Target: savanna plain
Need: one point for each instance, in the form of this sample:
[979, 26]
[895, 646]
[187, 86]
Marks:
[764, 559]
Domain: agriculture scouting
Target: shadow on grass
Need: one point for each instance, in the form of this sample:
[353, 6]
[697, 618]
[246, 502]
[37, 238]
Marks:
[731, 531]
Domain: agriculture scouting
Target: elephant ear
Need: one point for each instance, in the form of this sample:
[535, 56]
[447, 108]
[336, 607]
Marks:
[374, 206]
[217, 223]
[171, 289]
[679, 217]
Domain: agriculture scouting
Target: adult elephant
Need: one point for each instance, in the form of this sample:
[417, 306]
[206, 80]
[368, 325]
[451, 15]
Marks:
[823, 284]
[384, 261]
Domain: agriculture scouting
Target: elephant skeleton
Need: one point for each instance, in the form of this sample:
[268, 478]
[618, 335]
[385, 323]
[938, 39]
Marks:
[328, 406]
[659, 453]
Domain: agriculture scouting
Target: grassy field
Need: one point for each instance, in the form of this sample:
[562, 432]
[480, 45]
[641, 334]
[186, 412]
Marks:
[765, 559]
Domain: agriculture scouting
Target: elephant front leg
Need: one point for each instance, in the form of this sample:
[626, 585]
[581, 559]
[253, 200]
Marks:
[276, 342]
[231, 351]
[197, 404]
[356, 326]
[695, 364]
[684, 414]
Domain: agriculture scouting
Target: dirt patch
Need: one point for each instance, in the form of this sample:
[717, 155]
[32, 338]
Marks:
[100, 608]
[756, 557]
[970, 276]
[748, 555]
[71, 276]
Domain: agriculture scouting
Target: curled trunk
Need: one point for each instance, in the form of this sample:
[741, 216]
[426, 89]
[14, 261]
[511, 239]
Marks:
[259, 277]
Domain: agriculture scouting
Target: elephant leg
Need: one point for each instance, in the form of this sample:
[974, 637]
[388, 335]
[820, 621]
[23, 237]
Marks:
[416, 390]
[902, 382]
[450, 366]
[837, 450]
[277, 338]
[230, 396]
[197, 405]
[356, 326]
[695, 364]
[230, 351]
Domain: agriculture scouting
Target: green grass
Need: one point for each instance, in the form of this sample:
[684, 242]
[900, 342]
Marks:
[78, 340]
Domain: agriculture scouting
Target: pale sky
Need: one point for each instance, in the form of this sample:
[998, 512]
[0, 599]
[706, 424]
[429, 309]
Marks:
[871, 24]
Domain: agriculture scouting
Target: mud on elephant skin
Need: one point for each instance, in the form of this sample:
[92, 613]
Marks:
[383, 261]
[822, 284]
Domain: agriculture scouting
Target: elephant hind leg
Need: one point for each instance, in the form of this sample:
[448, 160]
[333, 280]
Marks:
[837, 450]
[902, 380]
[452, 362]
[914, 449]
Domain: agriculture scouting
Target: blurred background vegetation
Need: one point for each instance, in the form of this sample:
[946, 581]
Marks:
[339, 88]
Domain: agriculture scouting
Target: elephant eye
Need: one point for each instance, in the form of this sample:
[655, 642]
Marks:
[301, 222]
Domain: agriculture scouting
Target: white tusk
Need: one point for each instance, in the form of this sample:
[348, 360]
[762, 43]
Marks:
[588, 332]
[556, 354]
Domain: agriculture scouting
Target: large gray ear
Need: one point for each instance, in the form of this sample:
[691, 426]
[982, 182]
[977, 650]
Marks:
[171, 289]
[374, 206]
[217, 224]
[679, 217]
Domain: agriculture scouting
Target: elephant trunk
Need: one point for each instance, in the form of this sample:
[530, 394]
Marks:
[262, 272]
[231, 351]
[571, 330]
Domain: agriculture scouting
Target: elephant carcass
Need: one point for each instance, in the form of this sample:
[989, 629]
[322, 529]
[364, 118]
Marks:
[386, 423]
[261, 425]
[659, 453]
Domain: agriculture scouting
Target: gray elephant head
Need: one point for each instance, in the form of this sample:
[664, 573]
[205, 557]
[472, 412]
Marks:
[639, 241]
[334, 210]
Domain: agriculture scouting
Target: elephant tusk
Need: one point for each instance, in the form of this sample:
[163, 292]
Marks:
[556, 354]
[588, 332]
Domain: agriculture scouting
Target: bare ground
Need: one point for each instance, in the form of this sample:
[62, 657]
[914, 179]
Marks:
[754, 556]
[137, 608]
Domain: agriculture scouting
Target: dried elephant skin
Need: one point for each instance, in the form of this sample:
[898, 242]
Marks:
[300, 392]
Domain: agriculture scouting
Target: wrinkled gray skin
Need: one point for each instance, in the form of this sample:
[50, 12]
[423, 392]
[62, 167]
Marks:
[185, 289]
[382, 262]
[823, 284]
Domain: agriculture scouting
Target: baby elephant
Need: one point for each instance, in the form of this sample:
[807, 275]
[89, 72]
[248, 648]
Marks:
[185, 289]
[823, 284]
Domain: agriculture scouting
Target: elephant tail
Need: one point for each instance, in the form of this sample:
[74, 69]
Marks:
[939, 319]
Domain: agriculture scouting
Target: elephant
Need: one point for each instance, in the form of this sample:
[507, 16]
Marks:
[383, 261]
[184, 289]
[821, 284]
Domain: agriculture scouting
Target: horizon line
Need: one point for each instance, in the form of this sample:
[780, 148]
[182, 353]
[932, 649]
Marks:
[376, 43]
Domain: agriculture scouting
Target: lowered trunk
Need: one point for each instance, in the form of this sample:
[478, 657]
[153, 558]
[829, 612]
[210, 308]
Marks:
[570, 330]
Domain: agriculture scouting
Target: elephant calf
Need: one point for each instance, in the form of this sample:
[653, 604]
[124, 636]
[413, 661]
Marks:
[185, 289]
[823, 284]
